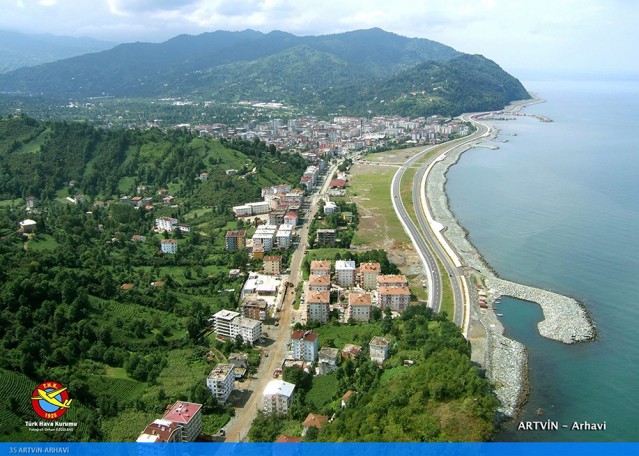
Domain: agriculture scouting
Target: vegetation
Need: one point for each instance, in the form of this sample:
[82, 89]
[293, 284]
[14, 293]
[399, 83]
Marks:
[323, 74]
[124, 352]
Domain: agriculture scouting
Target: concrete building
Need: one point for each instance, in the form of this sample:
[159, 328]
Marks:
[321, 267]
[28, 226]
[165, 224]
[345, 273]
[230, 324]
[284, 237]
[169, 246]
[305, 345]
[221, 381]
[265, 235]
[242, 211]
[330, 208]
[359, 306]
[317, 282]
[327, 360]
[351, 351]
[379, 348]
[277, 397]
[318, 306]
[189, 417]
[290, 219]
[235, 240]
[255, 309]
[369, 273]
[396, 298]
[273, 265]
[326, 237]
[391, 280]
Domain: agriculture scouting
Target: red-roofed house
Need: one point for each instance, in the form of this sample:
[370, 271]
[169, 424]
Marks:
[313, 420]
[288, 439]
[338, 183]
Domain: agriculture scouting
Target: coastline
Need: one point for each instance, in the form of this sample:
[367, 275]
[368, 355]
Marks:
[504, 360]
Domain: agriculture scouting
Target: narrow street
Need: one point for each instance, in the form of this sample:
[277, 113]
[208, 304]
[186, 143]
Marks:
[237, 429]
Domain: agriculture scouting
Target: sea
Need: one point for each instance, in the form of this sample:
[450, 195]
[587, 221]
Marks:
[557, 207]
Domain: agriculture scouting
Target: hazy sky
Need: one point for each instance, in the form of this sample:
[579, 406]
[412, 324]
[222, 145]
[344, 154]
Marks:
[523, 36]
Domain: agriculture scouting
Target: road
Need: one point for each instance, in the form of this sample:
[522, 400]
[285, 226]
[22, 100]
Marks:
[237, 429]
[427, 236]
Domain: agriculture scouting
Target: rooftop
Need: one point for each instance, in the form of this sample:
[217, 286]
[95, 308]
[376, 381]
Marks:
[313, 420]
[221, 371]
[391, 278]
[320, 265]
[394, 291]
[344, 264]
[318, 279]
[318, 297]
[306, 336]
[182, 412]
[279, 387]
[360, 299]
[226, 315]
[370, 267]
[379, 341]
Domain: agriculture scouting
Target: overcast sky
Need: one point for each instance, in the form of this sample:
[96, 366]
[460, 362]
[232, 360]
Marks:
[525, 37]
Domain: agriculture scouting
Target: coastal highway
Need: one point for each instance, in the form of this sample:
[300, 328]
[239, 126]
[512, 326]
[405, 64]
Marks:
[427, 238]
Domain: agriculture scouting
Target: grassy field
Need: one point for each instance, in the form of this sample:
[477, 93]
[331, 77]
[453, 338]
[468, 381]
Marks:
[42, 242]
[11, 202]
[322, 392]
[448, 305]
[340, 335]
[370, 188]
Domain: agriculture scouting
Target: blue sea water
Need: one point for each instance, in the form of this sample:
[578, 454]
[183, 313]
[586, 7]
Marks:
[557, 207]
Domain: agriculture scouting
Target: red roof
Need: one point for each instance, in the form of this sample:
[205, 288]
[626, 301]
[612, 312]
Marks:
[288, 439]
[341, 183]
[182, 412]
[313, 420]
[307, 336]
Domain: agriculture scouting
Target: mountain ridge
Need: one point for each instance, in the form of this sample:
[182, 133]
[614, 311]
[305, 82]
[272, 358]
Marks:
[305, 71]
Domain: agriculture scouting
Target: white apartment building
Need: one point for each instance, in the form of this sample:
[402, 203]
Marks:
[169, 246]
[391, 280]
[265, 235]
[221, 381]
[284, 236]
[165, 224]
[379, 348]
[277, 397]
[227, 323]
[305, 345]
[345, 273]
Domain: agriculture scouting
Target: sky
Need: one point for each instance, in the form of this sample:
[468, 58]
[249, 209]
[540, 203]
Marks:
[525, 37]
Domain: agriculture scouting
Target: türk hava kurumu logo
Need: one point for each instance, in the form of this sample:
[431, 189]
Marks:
[50, 400]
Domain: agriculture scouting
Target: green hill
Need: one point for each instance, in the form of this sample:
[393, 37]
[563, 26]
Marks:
[319, 73]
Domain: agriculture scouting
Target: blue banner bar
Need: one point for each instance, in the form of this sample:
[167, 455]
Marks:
[319, 449]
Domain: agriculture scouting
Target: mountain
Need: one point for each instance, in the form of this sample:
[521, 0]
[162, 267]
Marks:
[19, 50]
[355, 70]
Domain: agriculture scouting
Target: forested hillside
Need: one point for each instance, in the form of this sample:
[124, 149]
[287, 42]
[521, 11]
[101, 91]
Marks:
[364, 72]
[39, 159]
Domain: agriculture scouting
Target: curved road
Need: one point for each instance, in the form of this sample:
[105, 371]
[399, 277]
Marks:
[427, 239]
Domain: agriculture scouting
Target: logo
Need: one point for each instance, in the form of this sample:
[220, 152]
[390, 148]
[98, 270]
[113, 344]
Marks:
[50, 400]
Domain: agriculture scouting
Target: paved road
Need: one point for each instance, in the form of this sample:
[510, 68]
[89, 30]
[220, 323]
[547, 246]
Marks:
[237, 429]
[425, 238]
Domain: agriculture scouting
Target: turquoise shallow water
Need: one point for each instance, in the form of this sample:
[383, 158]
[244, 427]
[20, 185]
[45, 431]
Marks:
[557, 206]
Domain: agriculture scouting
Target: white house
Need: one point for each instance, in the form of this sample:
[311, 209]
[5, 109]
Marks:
[379, 348]
[220, 381]
[277, 397]
[165, 224]
[330, 208]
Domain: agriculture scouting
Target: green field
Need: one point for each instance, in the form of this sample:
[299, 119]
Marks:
[322, 392]
[378, 221]
[42, 242]
[339, 335]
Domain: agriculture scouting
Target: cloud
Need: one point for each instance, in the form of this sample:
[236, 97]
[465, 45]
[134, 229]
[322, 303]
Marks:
[132, 7]
[48, 2]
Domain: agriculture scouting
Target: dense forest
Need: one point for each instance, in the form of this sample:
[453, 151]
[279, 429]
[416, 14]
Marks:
[40, 158]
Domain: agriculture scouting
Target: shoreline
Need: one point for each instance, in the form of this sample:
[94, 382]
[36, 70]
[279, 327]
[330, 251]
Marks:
[504, 360]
